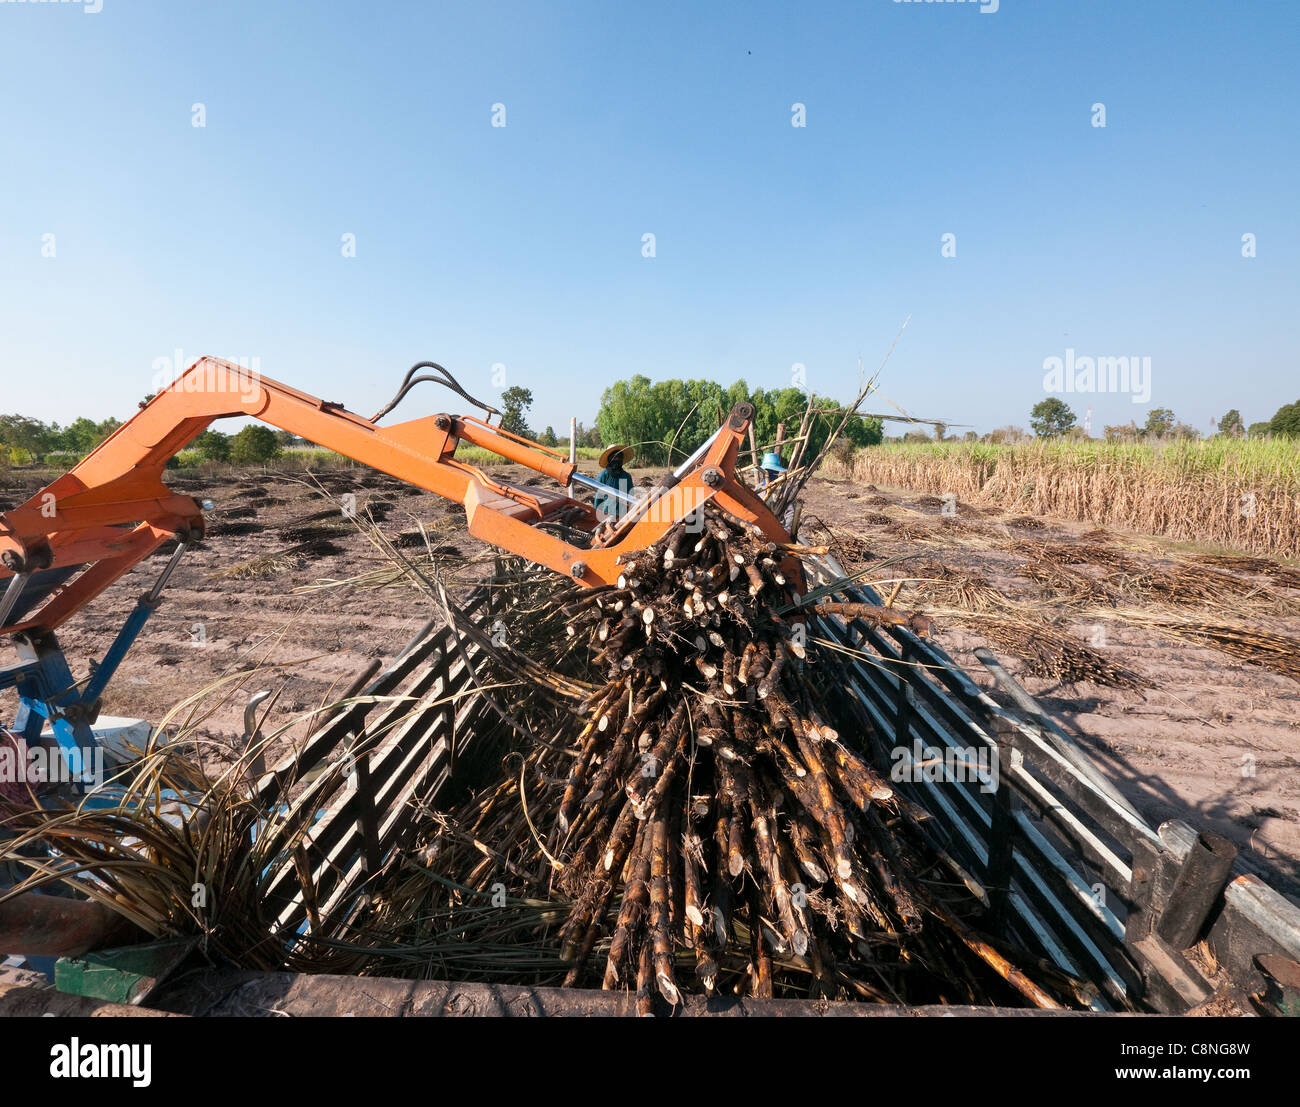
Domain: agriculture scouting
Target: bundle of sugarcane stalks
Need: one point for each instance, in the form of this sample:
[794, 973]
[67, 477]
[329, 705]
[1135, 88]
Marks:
[706, 824]
[681, 807]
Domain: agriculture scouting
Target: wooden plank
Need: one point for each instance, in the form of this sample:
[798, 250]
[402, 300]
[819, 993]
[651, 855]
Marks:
[408, 769]
[322, 743]
[341, 805]
[342, 808]
[1002, 836]
[227, 992]
[366, 818]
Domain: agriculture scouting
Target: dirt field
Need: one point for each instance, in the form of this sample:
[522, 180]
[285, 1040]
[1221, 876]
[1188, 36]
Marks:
[1183, 743]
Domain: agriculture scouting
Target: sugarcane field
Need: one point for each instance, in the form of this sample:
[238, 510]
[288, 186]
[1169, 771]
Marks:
[570, 539]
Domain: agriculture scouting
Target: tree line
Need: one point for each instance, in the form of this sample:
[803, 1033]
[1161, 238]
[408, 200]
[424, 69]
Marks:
[1052, 418]
[664, 420]
[28, 441]
[24, 440]
[667, 420]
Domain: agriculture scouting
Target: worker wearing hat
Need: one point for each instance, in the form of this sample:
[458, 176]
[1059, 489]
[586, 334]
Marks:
[771, 468]
[614, 475]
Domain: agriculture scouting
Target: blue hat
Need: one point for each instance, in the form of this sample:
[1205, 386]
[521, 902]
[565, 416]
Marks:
[772, 462]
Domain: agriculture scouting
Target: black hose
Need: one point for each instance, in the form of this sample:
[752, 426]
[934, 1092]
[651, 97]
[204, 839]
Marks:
[446, 380]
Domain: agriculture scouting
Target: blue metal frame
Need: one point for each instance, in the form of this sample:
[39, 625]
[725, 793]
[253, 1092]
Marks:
[48, 692]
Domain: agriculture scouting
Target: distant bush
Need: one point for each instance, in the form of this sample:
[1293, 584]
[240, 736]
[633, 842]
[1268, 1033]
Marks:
[254, 445]
[314, 457]
[842, 451]
[1008, 434]
[62, 460]
[477, 455]
[213, 446]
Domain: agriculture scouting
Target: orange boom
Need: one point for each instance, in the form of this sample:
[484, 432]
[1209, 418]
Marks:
[72, 540]
[113, 510]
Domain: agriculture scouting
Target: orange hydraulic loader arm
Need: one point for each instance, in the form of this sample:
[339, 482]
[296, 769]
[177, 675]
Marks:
[113, 509]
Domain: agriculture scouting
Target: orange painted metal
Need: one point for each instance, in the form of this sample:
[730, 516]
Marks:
[113, 509]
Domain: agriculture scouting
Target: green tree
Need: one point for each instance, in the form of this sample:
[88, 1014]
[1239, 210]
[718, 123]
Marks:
[1051, 417]
[1231, 425]
[1286, 421]
[1160, 421]
[214, 446]
[1257, 430]
[858, 431]
[30, 436]
[670, 419]
[80, 436]
[664, 417]
[516, 401]
[254, 445]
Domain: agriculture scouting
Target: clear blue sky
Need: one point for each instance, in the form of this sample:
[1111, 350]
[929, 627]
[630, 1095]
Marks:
[775, 245]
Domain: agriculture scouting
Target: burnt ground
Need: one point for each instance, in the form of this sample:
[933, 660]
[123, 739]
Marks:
[238, 604]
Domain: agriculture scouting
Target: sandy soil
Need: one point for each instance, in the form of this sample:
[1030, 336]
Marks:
[1176, 748]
